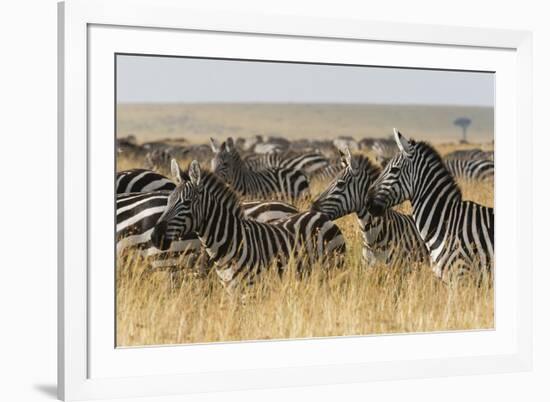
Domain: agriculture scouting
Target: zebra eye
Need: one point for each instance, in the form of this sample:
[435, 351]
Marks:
[394, 170]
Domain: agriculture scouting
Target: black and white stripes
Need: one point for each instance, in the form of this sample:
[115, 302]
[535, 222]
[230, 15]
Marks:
[141, 180]
[471, 169]
[240, 247]
[284, 182]
[137, 214]
[391, 239]
[458, 234]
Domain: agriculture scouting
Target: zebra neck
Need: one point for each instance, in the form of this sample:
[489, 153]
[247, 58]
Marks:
[221, 233]
[242, 177]
[221, 228]
[432, 205]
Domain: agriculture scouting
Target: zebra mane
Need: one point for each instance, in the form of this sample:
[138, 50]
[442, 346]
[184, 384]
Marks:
[427, 149]
[219, 189]
[364, 163]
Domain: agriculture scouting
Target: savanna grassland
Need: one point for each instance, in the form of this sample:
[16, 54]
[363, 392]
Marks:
[154, 308]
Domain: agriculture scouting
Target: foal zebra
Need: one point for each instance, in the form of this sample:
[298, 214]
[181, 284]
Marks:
[287, 182]
[391, 239]
[137, 214]
[458, 234]
[241, 248]
[141, 180]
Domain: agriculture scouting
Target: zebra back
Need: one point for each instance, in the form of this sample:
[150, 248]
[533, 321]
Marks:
[469, 154]
[141, 180]
[474, 169]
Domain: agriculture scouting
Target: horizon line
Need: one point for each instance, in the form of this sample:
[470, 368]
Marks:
[301, 103]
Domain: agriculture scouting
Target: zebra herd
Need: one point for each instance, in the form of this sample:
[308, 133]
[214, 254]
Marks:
[238, 216]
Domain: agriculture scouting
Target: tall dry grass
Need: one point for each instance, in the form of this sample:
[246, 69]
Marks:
[350, 300]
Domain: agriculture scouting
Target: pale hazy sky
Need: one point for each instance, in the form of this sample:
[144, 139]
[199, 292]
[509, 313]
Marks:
[169, 79]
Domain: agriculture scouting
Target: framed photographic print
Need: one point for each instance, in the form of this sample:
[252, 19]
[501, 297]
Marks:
[260, 201]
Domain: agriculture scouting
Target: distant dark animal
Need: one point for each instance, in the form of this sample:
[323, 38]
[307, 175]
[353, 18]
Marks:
[128, 147]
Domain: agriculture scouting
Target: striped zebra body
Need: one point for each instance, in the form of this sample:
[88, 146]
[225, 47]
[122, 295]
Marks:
[158, 159]
[284, 182]
[137, 214]
[241, 248]
[469, 154]
[329, 172]
[474, 169]
[391, 239]
[458, 234]
[141, 180]
[310, 163]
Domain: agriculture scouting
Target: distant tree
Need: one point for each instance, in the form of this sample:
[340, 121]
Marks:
[464, 123]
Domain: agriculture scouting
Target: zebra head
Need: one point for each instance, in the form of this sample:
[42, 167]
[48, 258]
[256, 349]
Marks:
[225, 159]
[347, 193]
[183, 212]
[393, 186]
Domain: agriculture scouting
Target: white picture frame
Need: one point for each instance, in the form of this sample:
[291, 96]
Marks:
[90, 367]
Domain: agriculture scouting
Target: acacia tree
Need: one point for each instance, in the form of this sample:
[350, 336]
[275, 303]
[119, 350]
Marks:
[464, 123]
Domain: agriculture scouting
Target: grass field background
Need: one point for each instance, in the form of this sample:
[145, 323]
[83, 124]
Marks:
[347, 301]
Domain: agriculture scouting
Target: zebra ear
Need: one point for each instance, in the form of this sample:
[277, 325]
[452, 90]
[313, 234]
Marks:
[215, 145]
[402, 143]
[176, 171]
[229, 145]
[347, 159]
[195, 173]
[343, 160]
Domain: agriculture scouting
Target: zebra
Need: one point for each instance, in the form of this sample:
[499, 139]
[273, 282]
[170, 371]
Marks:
[469, 154]
[467, 169]
[458, 234]
[345, 142]
[158, 158]
[241, 248]
[227, 164]
[137, 214]
[141, 180]
[328, 173]
[310, 163]
[475, 169]
[391, 239]
[384, 149]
